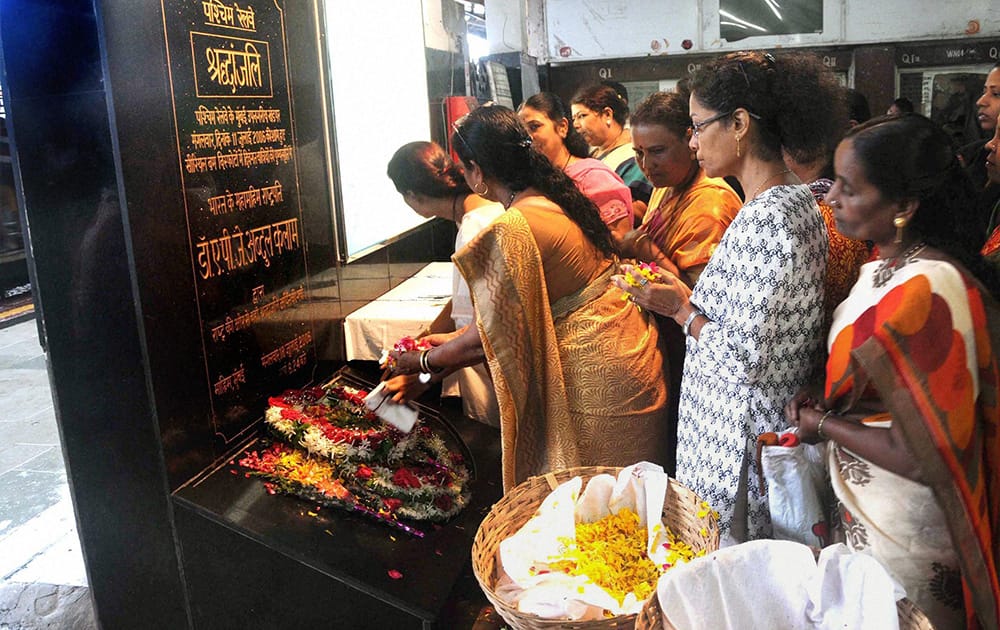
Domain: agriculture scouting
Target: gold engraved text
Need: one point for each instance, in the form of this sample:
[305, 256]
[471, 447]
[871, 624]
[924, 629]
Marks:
[243, 200]
[218, 14]
[232, 251]
[244, 320]
[233, 68]
[231, 383]
[287, 350]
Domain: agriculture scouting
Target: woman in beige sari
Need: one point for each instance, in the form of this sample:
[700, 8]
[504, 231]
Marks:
[578, 371]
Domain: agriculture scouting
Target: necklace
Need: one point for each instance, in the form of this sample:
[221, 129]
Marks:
[510, 199]
[889, 266]
[759, 188]
[614, 145]
[568, 158]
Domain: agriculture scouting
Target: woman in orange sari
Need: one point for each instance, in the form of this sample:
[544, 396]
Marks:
[578, 372]
[911, 397]
[688, 211]
[688, 214]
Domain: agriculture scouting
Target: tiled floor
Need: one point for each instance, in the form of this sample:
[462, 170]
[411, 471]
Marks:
[44, 584]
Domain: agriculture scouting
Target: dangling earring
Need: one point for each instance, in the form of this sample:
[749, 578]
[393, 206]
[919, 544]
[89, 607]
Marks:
[900, 223]
[486, 189]
[737, 146]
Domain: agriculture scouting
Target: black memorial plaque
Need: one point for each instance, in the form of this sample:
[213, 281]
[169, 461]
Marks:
[235, 141]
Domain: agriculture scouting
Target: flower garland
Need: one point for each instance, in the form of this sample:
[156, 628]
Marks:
[292, 471]
[335, 424]
[357, 461]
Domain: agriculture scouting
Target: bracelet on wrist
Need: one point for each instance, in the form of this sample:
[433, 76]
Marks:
[819, 425]
[695, 312]
[425, 363]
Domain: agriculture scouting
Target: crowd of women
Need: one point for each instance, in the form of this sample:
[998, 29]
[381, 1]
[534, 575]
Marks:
[846, 295]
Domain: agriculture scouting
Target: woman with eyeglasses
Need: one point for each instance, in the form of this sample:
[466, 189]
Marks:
[545, 118]
[688, 211]
[578, 371]
[753, 318]
[599, 115]
[687, 215]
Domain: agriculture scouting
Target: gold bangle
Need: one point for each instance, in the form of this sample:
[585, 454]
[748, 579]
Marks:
[819, 427]
[635, 243]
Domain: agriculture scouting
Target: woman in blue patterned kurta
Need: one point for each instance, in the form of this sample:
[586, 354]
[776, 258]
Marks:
[754, 318]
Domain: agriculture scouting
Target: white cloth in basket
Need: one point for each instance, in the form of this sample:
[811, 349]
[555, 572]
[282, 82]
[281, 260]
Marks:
[778, 584]
[524, 556]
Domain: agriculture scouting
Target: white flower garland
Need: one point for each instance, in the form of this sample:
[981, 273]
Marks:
[427, 489]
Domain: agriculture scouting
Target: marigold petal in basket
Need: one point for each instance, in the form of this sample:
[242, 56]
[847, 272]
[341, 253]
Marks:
[519, 504]
[617, 556]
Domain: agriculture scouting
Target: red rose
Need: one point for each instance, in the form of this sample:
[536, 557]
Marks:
[277, 401]
[363, 472]
[292, 414]
[443, 502]
[392, 504]
[406, 344]
[405, 477]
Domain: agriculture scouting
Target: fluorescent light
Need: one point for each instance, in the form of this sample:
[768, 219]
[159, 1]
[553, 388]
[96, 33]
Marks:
[771, 4]
[741, 22]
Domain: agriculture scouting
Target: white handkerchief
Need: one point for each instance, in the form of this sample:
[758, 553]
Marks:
[852, 590]
[398, 415]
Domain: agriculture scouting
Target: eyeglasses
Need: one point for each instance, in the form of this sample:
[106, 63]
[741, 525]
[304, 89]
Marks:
[767, 57]
[458, 134]
[697, 127]
[461, 121]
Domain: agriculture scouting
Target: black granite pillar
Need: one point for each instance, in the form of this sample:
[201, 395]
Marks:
[70, 189]
[131, 136]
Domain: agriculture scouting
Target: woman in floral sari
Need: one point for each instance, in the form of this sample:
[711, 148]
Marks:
[911, 394]
[578, 372]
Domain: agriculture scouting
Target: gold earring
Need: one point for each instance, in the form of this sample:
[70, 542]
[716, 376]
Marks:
[737, 146]
[486, 189]
[900, 223]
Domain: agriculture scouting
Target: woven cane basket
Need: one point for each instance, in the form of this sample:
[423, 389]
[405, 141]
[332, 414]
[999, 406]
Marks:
[651, 616]
[509, 514]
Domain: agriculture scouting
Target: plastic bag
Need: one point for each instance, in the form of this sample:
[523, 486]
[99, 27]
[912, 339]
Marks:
[798, 491]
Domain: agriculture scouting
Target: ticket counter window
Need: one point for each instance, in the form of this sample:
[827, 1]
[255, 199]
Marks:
[948, 96]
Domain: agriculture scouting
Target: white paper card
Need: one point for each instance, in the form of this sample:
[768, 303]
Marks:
[398, 415]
